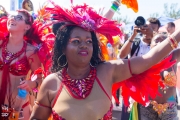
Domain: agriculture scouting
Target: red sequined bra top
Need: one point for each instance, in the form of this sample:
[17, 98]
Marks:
[55, 116]
[20, 67]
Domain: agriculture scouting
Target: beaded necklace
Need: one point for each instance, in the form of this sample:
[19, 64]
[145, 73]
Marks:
[79, 88]
[8, 57]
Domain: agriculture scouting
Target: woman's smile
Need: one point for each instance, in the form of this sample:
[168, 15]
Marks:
[83, 53]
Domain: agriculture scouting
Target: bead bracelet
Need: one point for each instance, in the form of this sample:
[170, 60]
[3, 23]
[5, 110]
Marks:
[173, 42]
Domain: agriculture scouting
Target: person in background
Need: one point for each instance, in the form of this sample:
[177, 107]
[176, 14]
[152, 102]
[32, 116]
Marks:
[19, 59]
[138, 46]
[154, 23]
[168, 109]
[3, 11]
[28, 5]
[170, 27]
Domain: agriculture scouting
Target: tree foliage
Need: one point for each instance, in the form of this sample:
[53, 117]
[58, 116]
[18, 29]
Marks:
[156, 15]
[121, 19]
[118, 18]
[173, 11]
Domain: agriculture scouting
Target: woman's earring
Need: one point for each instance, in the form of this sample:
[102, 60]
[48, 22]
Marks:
[59, 63]
[91, 65]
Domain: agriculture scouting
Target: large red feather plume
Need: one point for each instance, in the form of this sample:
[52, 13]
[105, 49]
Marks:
[3, 28]
[41, 36]
[133, 4]
[143, 86]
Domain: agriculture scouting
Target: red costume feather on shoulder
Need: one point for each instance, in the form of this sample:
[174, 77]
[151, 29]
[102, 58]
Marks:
[3, 28]
[142, 86]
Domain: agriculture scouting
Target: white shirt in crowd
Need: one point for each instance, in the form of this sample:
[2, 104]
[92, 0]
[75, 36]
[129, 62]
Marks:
[143, 49]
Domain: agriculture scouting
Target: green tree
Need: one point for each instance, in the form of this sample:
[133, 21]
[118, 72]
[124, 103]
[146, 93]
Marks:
[122, 19]
[119, 19]
[173, 11]
[156, 15]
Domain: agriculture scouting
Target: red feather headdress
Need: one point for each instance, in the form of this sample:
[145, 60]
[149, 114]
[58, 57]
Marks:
[86, 18]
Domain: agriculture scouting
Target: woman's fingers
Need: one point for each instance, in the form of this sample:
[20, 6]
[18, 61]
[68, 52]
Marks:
[24, 85]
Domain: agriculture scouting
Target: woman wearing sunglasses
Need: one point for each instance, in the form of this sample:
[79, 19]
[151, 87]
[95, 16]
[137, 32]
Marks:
[18, 56]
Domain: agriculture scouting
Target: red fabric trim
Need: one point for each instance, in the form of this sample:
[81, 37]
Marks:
[26, 104]
[56, 97]
[37, 103]
[129, 65]
[102, 88]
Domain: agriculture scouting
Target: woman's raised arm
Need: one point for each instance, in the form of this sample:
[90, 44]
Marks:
[137, 65]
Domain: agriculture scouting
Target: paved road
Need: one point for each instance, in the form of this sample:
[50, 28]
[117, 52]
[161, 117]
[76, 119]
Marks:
[117, 115]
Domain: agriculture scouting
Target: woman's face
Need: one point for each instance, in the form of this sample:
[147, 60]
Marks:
[79, 49]
[17, 23]
[28, 6]
[169, 29]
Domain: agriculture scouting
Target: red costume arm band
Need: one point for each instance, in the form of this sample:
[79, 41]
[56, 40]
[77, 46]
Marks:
[129, 65]
[173, 42]
[37, 103]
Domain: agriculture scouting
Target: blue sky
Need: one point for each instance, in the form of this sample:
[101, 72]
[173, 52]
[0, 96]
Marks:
[146, 7]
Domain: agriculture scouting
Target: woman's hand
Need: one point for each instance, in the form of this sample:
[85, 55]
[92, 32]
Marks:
[2, 9]
[135, 29]
[27, 85]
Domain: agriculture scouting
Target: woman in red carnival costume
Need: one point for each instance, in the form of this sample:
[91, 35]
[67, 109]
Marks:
[164, 106]
[80, 86]
[18, 56]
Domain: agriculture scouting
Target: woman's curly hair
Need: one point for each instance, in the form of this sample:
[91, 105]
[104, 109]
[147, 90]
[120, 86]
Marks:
[62, 37]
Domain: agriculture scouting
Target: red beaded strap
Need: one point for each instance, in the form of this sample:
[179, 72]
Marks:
[57, 95]
[129, 65]
[37, 103]
[26, 104]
